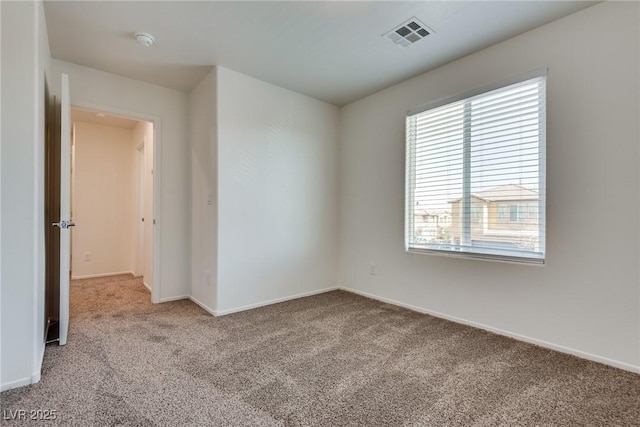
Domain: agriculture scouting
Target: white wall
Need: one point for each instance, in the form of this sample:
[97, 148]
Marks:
[143, 131]
[103, 201]
[586, 299]
[277, 192]
[23, 30]
[42, 76]
[116, 94]
[204, 218]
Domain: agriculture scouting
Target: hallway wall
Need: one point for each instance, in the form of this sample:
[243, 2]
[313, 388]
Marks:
[103, 201]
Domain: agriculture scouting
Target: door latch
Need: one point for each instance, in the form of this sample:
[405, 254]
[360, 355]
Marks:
[64, 224]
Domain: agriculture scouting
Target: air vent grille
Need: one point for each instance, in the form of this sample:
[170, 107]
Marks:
[409, 32]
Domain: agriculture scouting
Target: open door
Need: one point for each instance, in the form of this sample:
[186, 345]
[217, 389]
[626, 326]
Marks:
[52, 215]
[65, 207]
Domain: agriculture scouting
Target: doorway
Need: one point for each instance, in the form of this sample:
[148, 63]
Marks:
[112, 196]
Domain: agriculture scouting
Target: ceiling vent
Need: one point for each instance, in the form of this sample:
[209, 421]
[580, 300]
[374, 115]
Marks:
[409, 32]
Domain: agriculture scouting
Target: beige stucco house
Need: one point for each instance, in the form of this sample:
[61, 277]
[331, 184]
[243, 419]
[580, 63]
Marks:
[503, 215]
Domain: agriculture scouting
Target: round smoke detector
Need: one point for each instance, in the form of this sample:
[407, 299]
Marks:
[145, 39]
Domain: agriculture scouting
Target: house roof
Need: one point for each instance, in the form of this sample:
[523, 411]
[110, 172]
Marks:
[503, 193]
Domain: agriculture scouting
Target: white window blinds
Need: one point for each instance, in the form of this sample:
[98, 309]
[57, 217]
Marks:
[475, 173]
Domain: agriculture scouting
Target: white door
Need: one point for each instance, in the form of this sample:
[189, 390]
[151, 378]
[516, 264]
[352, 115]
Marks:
[65, 207]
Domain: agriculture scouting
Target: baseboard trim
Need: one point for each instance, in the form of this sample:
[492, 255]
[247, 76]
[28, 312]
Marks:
[519, 337]
[203, 306]
[176, 298]
[93, 276]
[146, 285]
[35, 378]
[273, 301]
[17, 383]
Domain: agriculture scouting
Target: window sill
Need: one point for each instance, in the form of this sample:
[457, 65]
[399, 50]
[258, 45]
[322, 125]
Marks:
[479, 256]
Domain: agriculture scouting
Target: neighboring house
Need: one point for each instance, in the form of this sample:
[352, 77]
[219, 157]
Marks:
[433, 225]
[499, 215]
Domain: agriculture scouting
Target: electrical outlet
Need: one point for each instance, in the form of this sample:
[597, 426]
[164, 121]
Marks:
[87, 256]
[372, 268]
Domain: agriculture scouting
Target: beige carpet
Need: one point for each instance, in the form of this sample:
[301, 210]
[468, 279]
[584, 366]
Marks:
[334, 359]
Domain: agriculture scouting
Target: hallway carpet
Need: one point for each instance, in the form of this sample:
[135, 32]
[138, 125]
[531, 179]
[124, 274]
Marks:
[334, 359]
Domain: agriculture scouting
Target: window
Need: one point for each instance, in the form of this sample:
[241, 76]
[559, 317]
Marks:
[518, 212]
[503, 212]
[533, 212]
[476, 213]
[481, 158]
[515, 214]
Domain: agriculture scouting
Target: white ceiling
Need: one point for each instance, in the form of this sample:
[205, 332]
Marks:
[331, 50]
[88, 116]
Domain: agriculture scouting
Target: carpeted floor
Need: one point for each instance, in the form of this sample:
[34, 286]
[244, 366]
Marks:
[334, 359]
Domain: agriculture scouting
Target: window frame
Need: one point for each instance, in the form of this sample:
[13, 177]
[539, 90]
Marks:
[410, 183]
